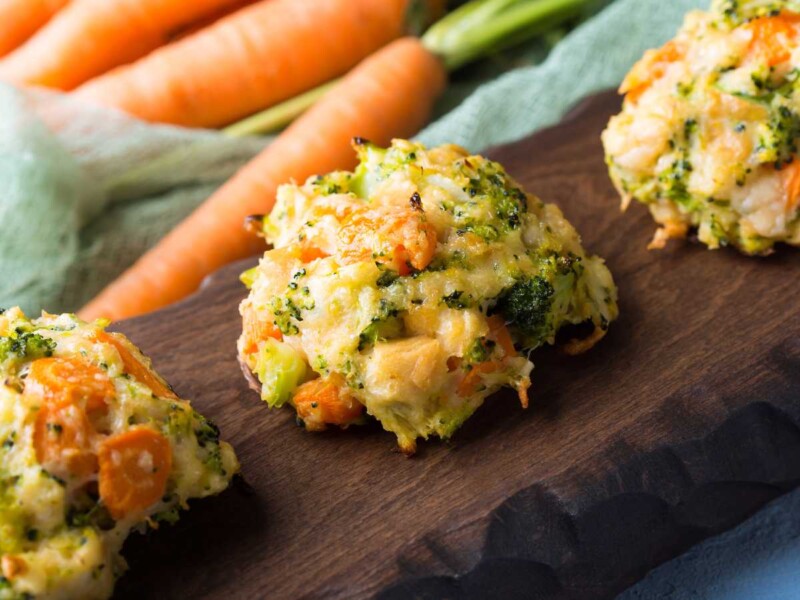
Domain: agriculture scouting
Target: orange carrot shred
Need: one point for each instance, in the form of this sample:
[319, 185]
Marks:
[773, 38]
[500, 334]
[398, 237]
[791, 178]
[472, 379]
[134, 367]
[649, 69]
[257, 329]
[326, 401]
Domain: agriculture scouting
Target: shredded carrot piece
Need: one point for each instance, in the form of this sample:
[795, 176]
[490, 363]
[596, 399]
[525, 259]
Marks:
[257, 329]
[773, 38]
[472, 379]
[309, 253]
[326, 401]
[650, 69]
[500, 334]
[791, 179]
[11, 566]
[135, 368]
[398, 237]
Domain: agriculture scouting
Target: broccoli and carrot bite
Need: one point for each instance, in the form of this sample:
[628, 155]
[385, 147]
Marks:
[411, 289]
[93, 444]
[708, 134]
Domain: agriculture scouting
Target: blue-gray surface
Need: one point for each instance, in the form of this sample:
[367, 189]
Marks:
[759, 560]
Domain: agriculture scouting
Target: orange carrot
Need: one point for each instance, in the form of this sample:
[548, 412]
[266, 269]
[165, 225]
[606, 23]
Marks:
[20, 19]
[500, 334]
[135, 368]
[89, 37]
[134, 469]
[62, 439]
[390, 94]
[70, 381]
[773, 38]
[209, 19]
[401, 238]
[649, 69]
[791, 183]
[250, 60]
[257, 329]
[327, 401]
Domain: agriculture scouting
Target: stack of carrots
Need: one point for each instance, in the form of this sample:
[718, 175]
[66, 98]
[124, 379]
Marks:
[210, 63]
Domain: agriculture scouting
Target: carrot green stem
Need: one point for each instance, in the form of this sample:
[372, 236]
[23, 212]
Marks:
[470, 32]
[280, 115]
[483, 26]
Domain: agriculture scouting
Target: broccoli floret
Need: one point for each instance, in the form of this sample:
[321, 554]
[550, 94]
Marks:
[383, 325]
[478, 351]
[779, 143]
[206, 431]
[458, 300]
[26, 345]
[526, 306]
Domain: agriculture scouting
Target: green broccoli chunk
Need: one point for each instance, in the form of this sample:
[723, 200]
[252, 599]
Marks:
[26, 345]
[779, 144]
[207, 435]
[526, 306]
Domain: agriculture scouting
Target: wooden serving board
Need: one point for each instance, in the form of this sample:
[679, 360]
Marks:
[680, 424]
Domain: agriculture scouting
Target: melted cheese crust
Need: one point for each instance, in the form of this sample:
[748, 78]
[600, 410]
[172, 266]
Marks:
[398, 338]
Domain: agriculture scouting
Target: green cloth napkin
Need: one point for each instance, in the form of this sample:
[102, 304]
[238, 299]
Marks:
[86, 191]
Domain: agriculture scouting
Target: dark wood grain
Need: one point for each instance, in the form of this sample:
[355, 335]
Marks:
[680, 424]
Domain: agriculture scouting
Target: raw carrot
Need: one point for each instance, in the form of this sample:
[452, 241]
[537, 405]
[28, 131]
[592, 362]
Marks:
[390, 94]
[134, 469]
[209, 19]
[21, 18]
[257, 329]
[322, 402]
[89, 37]
[250, 60]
